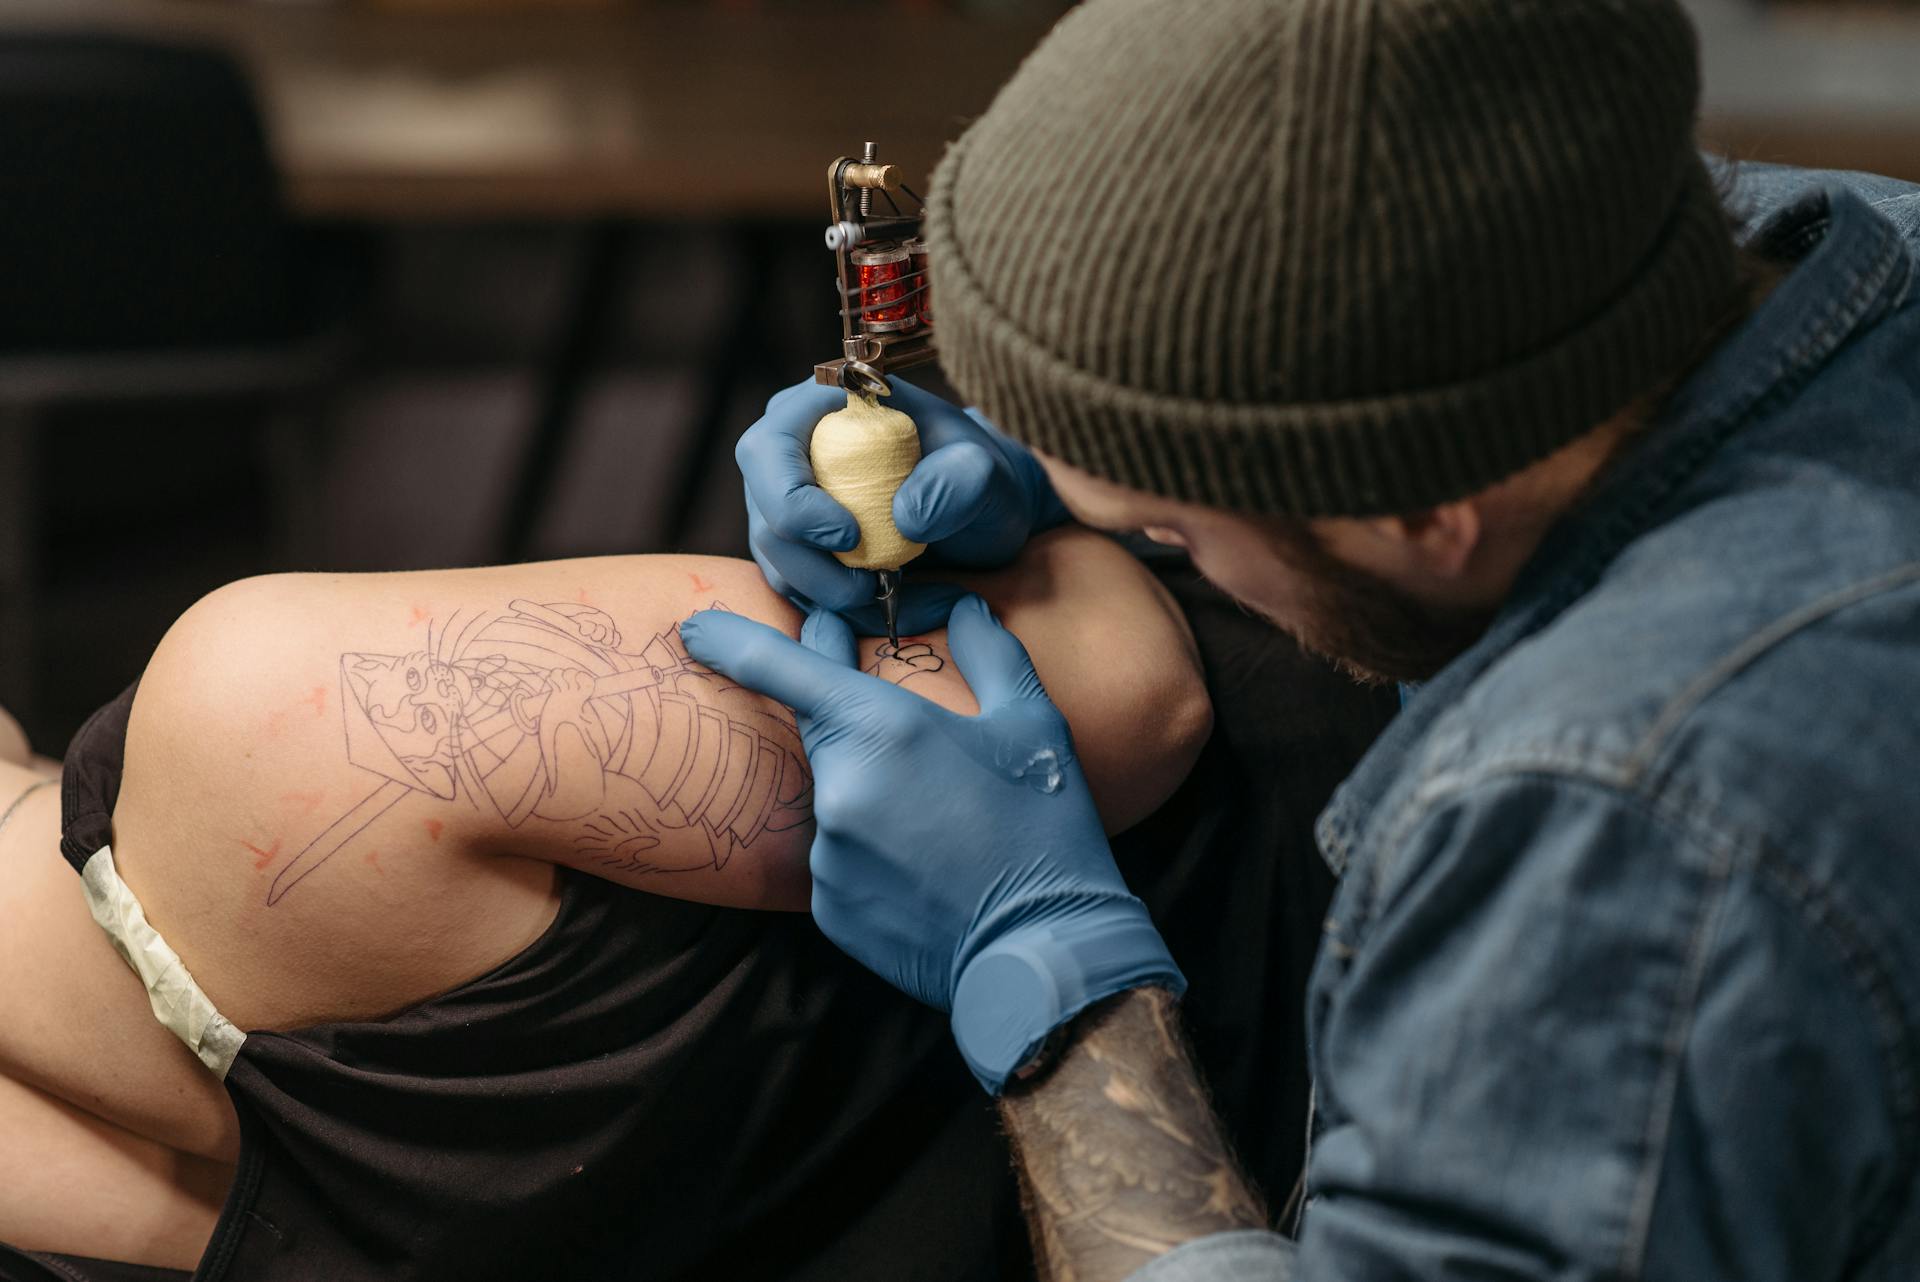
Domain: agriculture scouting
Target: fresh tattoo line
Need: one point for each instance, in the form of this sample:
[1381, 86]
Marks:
[1120, 1155]
[539, 711]
[914, 658]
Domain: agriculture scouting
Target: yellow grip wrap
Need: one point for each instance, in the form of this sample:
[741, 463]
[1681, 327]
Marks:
[860, 456]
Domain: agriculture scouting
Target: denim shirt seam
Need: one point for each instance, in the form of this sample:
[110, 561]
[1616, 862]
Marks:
[1899, 297]
[1671, 800]
[1845, 311]
[1753, 649]
[1674, 807]
[1837, 930]
[1831, 925]
[1666, 798]
[1686, 1006]
[1792, 367]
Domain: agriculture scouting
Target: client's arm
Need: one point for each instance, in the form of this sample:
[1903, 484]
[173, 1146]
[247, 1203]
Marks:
[328, 746]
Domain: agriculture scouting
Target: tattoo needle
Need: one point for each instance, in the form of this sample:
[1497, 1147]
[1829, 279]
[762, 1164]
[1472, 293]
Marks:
[890, 602]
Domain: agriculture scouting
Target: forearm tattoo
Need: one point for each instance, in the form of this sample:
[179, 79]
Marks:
[1121, 1158]
[544, 711]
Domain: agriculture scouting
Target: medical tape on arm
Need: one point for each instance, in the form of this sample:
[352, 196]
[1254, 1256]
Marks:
[177, 1001]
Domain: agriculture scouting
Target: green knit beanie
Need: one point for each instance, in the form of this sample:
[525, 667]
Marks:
[1329, 257]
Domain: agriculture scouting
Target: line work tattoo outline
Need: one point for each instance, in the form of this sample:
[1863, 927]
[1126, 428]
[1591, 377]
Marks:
[540, 711]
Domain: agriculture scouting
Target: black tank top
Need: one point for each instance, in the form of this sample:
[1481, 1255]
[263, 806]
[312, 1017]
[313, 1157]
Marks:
[657, 1089]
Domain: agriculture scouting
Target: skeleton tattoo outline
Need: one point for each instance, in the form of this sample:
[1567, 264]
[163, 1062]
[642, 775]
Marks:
[539, 711]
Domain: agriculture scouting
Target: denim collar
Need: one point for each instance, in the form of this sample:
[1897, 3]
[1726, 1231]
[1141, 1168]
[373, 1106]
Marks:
[1853, 269]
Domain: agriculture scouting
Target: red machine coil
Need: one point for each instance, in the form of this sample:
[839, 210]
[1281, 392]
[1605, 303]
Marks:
[885, 305]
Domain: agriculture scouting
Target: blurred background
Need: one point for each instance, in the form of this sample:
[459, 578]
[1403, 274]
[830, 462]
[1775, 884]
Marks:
[396, 284]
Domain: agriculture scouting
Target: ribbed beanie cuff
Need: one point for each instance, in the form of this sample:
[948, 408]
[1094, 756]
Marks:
[1387, 385]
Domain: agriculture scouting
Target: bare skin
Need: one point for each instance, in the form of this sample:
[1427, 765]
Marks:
[235, 767]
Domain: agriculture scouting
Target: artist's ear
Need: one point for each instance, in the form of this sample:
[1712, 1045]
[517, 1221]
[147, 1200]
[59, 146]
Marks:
[1438, 542]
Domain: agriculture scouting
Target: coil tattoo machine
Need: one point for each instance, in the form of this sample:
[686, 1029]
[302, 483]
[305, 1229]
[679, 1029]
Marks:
[861, 454]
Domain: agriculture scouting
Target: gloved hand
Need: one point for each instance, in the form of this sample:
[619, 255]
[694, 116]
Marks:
[975, 498]
[960, 858]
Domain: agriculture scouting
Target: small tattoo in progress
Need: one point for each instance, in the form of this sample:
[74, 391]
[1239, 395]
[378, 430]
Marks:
[541, 711]
[914, 658]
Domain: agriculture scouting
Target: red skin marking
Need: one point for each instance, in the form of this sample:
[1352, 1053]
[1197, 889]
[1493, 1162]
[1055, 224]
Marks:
[418, 617]
[699, 584]
[318, 698]
[307, 801]
[373, 862]
[433, 827]
[263, 857]
[276, 723]
[581, 597]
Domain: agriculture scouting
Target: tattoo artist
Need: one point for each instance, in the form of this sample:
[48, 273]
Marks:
[1424, 329]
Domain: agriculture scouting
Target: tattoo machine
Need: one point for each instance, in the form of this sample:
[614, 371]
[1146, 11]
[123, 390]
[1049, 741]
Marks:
[862, 454]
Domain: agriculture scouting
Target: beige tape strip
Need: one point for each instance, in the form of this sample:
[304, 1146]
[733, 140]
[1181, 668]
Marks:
[177, 1001]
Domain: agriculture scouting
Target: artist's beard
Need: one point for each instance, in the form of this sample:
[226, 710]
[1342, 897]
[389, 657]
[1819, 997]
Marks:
[1371, 630]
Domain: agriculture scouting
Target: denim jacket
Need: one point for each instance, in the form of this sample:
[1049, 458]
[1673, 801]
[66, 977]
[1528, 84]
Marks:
[1622, 978]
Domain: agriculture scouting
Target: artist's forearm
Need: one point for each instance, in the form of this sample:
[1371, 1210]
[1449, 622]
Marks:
[1120, 1154]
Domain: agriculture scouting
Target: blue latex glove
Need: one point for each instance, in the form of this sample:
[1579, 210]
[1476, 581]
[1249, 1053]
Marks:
[960, 858]
[975, 499]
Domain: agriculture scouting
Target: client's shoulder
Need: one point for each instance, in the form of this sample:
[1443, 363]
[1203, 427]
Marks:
[277, 830]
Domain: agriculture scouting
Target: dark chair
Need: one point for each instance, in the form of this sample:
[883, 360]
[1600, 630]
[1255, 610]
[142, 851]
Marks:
[146, 258]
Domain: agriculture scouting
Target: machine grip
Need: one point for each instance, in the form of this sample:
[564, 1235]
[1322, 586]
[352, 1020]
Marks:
[861, 455]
